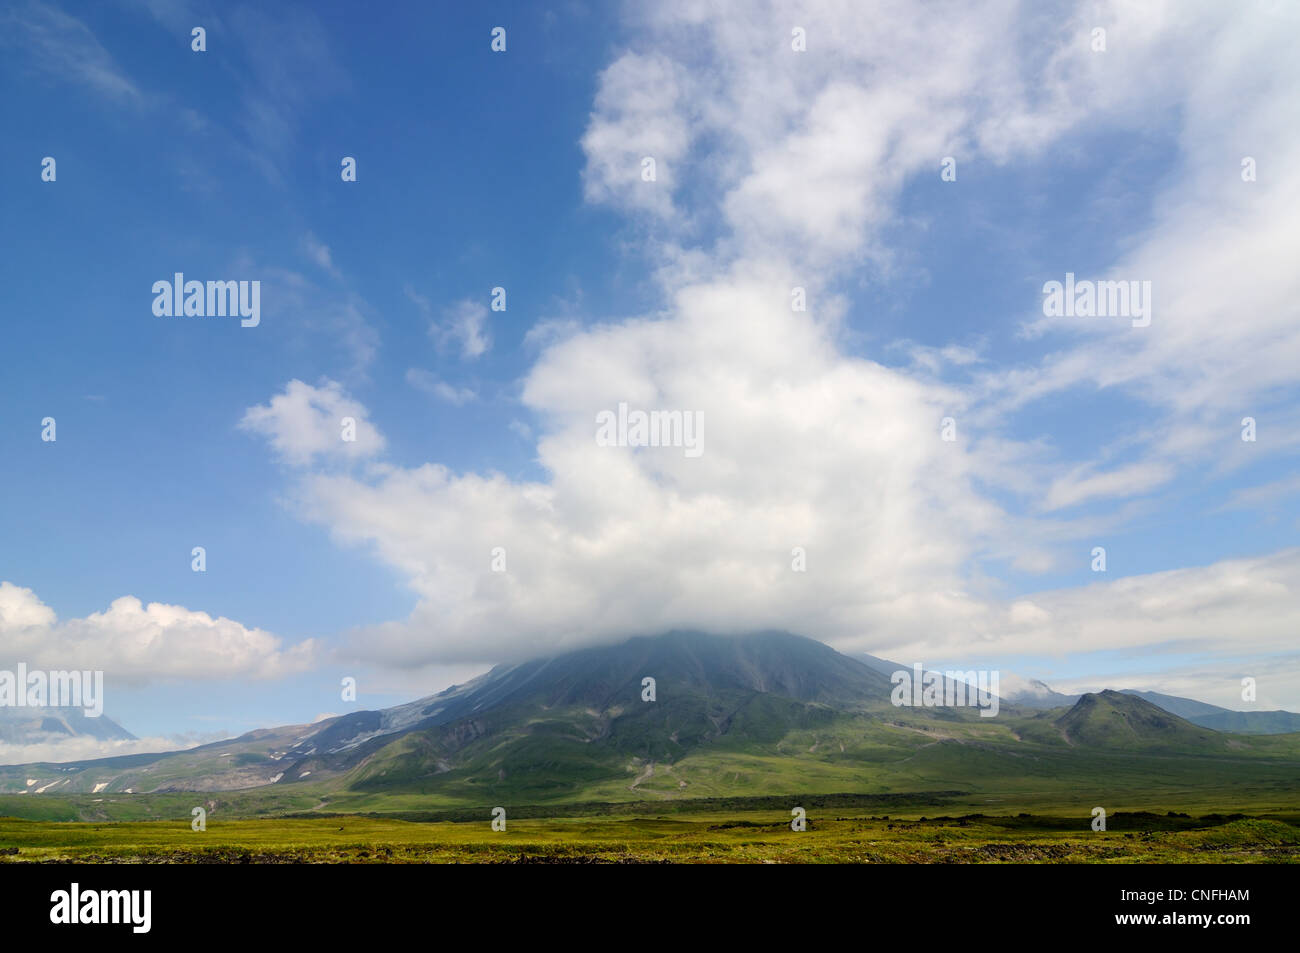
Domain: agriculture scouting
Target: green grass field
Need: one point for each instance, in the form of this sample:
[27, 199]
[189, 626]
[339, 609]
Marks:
[846, 829]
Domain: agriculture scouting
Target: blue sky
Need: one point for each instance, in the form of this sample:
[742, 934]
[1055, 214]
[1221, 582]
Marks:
[520, 169]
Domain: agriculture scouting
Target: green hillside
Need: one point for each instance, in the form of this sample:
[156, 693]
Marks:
[764, 715]
[1117, 720]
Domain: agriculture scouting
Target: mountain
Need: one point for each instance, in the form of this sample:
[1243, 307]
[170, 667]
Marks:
[947, 686]
[1111, 719]
[1182, 707]
[583, 715]
[881, 665]
[767, 662]
[757, 686]
[1251, 722]
[1032, 693]
[30, 726]
[1012, 688]
[763, 714]
[1224, 719]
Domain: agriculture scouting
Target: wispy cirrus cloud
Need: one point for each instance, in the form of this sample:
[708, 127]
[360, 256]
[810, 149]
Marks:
[63, 48]
[434, 386]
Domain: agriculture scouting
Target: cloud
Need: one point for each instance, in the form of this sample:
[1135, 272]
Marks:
[638, 116]
[288, 68]
[1235, 607]
[21, 610]
[802, 158]
[81, 749]
[806, 448]
[310, 310]
[179, 16]
[430, 384]
[1263, 496]
[802, 154]
[550, 331]
[306, 424]
[1277, 682]
[319, 253]
[136, 642]
[63, 47]
[622, 541]
[1082, 485]
[1224, 338]
[464, 323]
[780, 169]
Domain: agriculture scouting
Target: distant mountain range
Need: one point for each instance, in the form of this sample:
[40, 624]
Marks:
[768, 713]
[1033, 693]
[31, 726]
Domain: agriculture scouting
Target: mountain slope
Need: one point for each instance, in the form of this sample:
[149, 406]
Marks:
[732, 716]
[1116, 720]
[703, 682]
[1182, 707]
[1250, 722]
[581, 716]
[771, 662]
[1032, 693]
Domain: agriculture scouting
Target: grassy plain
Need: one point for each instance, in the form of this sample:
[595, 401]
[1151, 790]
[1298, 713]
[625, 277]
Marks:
[846, 829]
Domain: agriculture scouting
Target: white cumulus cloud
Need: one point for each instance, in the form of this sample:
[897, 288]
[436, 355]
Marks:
[137, 642]
[306, 424]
